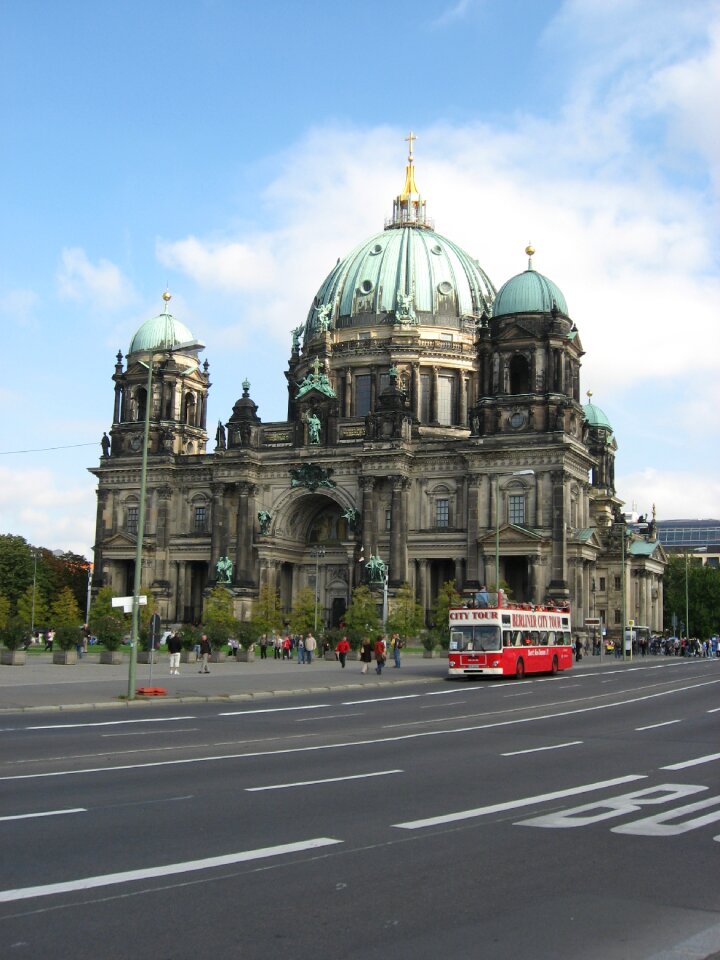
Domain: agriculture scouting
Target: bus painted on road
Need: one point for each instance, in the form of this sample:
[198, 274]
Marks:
[502, 640]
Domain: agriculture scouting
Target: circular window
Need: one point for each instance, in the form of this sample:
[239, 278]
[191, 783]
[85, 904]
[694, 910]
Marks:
[517, 420]
[376, 250]
[367, 286]
[437, 249]
[445, 288]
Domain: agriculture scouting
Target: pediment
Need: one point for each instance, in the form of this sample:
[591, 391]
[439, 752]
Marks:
[511, 536]
[120, 540]
[517, 331]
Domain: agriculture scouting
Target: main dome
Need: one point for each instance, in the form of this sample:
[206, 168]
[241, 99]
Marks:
[406, 274]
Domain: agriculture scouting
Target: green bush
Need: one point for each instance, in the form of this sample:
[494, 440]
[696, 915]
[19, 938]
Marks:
[67, 637]
[109, 631]
[190, 636]
[13, 636]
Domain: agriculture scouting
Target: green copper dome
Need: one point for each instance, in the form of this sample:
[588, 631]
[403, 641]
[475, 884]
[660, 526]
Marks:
[529, 292]
[160, 333]
[408, 275]
[595, 417]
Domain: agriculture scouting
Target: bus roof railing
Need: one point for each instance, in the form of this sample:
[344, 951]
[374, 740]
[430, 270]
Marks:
[489, 599]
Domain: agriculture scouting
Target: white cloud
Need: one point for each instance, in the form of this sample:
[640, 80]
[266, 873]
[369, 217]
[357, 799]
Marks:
[232, 265]
[51, 512]
[677, 494]
[19, 307]
[101, 284]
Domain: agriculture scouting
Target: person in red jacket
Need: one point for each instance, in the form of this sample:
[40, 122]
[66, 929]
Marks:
[379, 651]
[342, 650]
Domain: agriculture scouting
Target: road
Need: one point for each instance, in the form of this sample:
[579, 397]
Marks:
[574, 816]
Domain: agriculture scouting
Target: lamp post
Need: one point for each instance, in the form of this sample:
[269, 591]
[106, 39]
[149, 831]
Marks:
[317, 553]
[135, 628]
[32, 614]
[515, 473]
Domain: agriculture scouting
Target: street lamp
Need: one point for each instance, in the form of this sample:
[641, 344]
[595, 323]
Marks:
[317, 553]
[515, 473]
[135, 629]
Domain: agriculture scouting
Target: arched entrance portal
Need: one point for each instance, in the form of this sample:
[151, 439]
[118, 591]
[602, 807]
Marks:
[323, 551]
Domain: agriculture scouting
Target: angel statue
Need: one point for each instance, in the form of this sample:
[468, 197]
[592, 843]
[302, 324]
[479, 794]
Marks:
[224, 568]
[375, 570]
[264, 519]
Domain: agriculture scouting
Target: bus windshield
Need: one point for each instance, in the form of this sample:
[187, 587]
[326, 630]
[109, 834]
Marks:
[475, 637]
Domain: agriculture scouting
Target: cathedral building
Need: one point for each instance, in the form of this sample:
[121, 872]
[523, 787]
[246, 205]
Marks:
[433, 422]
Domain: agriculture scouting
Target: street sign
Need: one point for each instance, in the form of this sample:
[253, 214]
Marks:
[592, 621]
[127, 603]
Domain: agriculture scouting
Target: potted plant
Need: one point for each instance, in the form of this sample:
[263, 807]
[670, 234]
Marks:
[246, 635]
[429, 642]
[12, 637]
[110, 632]
[144, 653]
[67, 639]
[190, 637]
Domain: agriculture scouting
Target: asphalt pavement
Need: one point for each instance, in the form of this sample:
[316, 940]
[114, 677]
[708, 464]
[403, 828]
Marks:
[43, 685]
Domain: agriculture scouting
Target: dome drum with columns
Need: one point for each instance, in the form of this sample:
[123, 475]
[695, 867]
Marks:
[427, 414]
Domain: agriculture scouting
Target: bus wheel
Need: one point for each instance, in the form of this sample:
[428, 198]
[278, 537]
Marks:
[554, 667]
[520, 668]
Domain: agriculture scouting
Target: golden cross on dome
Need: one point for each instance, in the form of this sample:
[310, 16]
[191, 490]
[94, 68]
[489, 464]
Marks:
[411, 136]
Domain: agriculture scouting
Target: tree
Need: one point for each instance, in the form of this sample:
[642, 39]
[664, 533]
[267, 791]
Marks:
[16, 566]
[302, 615]
[4, 611]
[361, 617]
[64, 611]
[267, 616]
[40, 615]
[219, 621]
[447, 597]
[703, 595]
[406, 615]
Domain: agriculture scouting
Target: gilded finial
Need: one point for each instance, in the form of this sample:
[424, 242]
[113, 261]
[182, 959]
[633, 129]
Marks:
[167, 297]
[589, 395]
[409, 138]
[530, 250]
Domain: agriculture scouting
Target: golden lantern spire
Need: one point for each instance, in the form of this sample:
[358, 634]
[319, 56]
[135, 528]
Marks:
[410, 191]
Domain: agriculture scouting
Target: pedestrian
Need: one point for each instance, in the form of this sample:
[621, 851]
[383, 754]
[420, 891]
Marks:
[205, 651]
[342, 650]
[277, 646]
[234, 646]
[578, 649]
[379, 650]
[310, 647]
[396, 645]
[174, 646]
[49, 639]
[366, 652]
[286, 647]
[300, 648]
[263, 646]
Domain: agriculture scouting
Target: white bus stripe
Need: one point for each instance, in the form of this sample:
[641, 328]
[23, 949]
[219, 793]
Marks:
[129, 876]
[515, 804]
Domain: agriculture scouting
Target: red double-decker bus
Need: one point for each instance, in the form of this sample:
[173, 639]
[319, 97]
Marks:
[506, 640]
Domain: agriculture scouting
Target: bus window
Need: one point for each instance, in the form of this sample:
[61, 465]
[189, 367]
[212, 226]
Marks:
[507, 638]
[543, 638]
[534, 638]
[456, 640]
[551, 638]
[566, 639]
[486, 638]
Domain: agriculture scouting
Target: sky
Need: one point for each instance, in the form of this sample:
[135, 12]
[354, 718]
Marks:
[230, 151]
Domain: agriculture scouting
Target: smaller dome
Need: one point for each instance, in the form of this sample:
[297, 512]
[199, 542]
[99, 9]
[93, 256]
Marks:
[163, 332]
[529, 292]
[595, 417]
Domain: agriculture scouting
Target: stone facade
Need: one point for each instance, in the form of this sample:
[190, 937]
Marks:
[427, 426]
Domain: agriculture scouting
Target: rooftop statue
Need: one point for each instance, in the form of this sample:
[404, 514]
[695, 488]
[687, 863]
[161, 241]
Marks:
[405, 311]
[316, 381]
[375, 570]
[264, 519]
[224, 568]
[313, 422]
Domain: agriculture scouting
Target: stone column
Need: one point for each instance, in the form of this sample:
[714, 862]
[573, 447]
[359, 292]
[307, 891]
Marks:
[558, 588]
[462, 399]
[218, 534]
[459, 578]
[422, 585]
[472, 573]
[367, 484]
[244, 566]
[398, 533]
[434, 406]
[416, 390]
[348, 392]
[534, 562]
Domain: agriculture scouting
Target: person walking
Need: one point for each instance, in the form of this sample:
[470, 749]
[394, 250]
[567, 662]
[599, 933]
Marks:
[205, 651]
[263, 646]
[277, 646]
[342, 650]
[174, 646]
[578, 649]
[310, 647]
[300, 640]
[286, 647]
[379, 650]
[396, 646]
[365, 654]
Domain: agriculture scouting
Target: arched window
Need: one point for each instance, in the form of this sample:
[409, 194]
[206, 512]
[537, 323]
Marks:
[519, 375]
[189, 409]
[140, 403]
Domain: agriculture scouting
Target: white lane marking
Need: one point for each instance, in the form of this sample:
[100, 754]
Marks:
[360, 743]
[654, 726]
[45, 813]
[557, 746]
[148, 733]
[692, 763]
[170, 869]
[327, 716]
[714, 710]
[311, 783]
[242, 713]
[357, 703]
[515, 804]
[108, 723]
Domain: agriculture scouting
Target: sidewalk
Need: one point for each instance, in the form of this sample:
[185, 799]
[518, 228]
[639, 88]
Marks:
[44, 685]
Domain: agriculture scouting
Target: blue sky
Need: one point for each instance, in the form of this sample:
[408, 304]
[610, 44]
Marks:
[235, 150]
